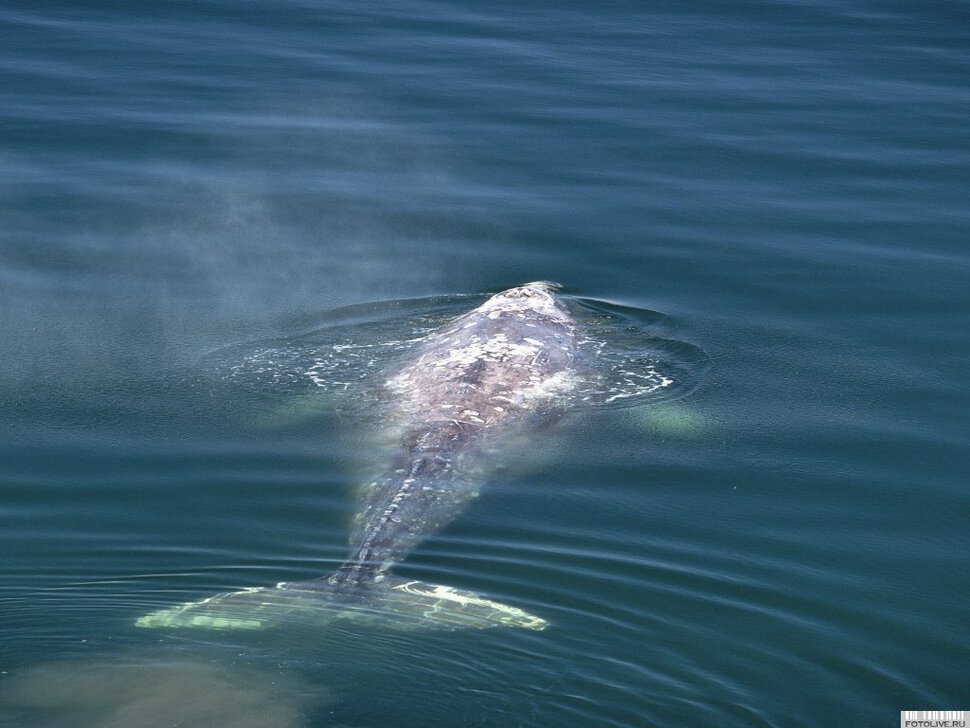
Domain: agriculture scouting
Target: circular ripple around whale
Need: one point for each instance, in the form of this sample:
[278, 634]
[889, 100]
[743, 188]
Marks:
[626, 355]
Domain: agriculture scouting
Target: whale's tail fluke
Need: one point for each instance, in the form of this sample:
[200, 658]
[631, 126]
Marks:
[396, 603]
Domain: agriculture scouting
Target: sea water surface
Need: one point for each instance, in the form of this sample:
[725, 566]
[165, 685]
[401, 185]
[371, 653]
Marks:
[780, 188]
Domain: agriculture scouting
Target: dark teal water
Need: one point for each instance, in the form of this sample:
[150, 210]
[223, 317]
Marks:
[783, 185]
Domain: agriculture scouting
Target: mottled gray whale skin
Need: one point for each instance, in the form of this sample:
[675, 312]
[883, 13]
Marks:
[476, 377]
[480, 377]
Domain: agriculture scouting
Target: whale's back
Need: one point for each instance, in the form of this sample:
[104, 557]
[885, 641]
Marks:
[512, 354]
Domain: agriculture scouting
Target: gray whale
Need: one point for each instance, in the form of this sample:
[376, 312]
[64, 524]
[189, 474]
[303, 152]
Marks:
[484, 375]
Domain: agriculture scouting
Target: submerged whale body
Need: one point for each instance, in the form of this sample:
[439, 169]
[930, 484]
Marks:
[485, 374]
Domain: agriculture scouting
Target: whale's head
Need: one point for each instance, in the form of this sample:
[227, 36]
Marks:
[537, 296]
[536, 289]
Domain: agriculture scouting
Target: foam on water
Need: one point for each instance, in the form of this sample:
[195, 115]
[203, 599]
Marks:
[623, 358]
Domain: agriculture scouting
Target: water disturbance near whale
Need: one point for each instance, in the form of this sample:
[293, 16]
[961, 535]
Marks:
[521, 357]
